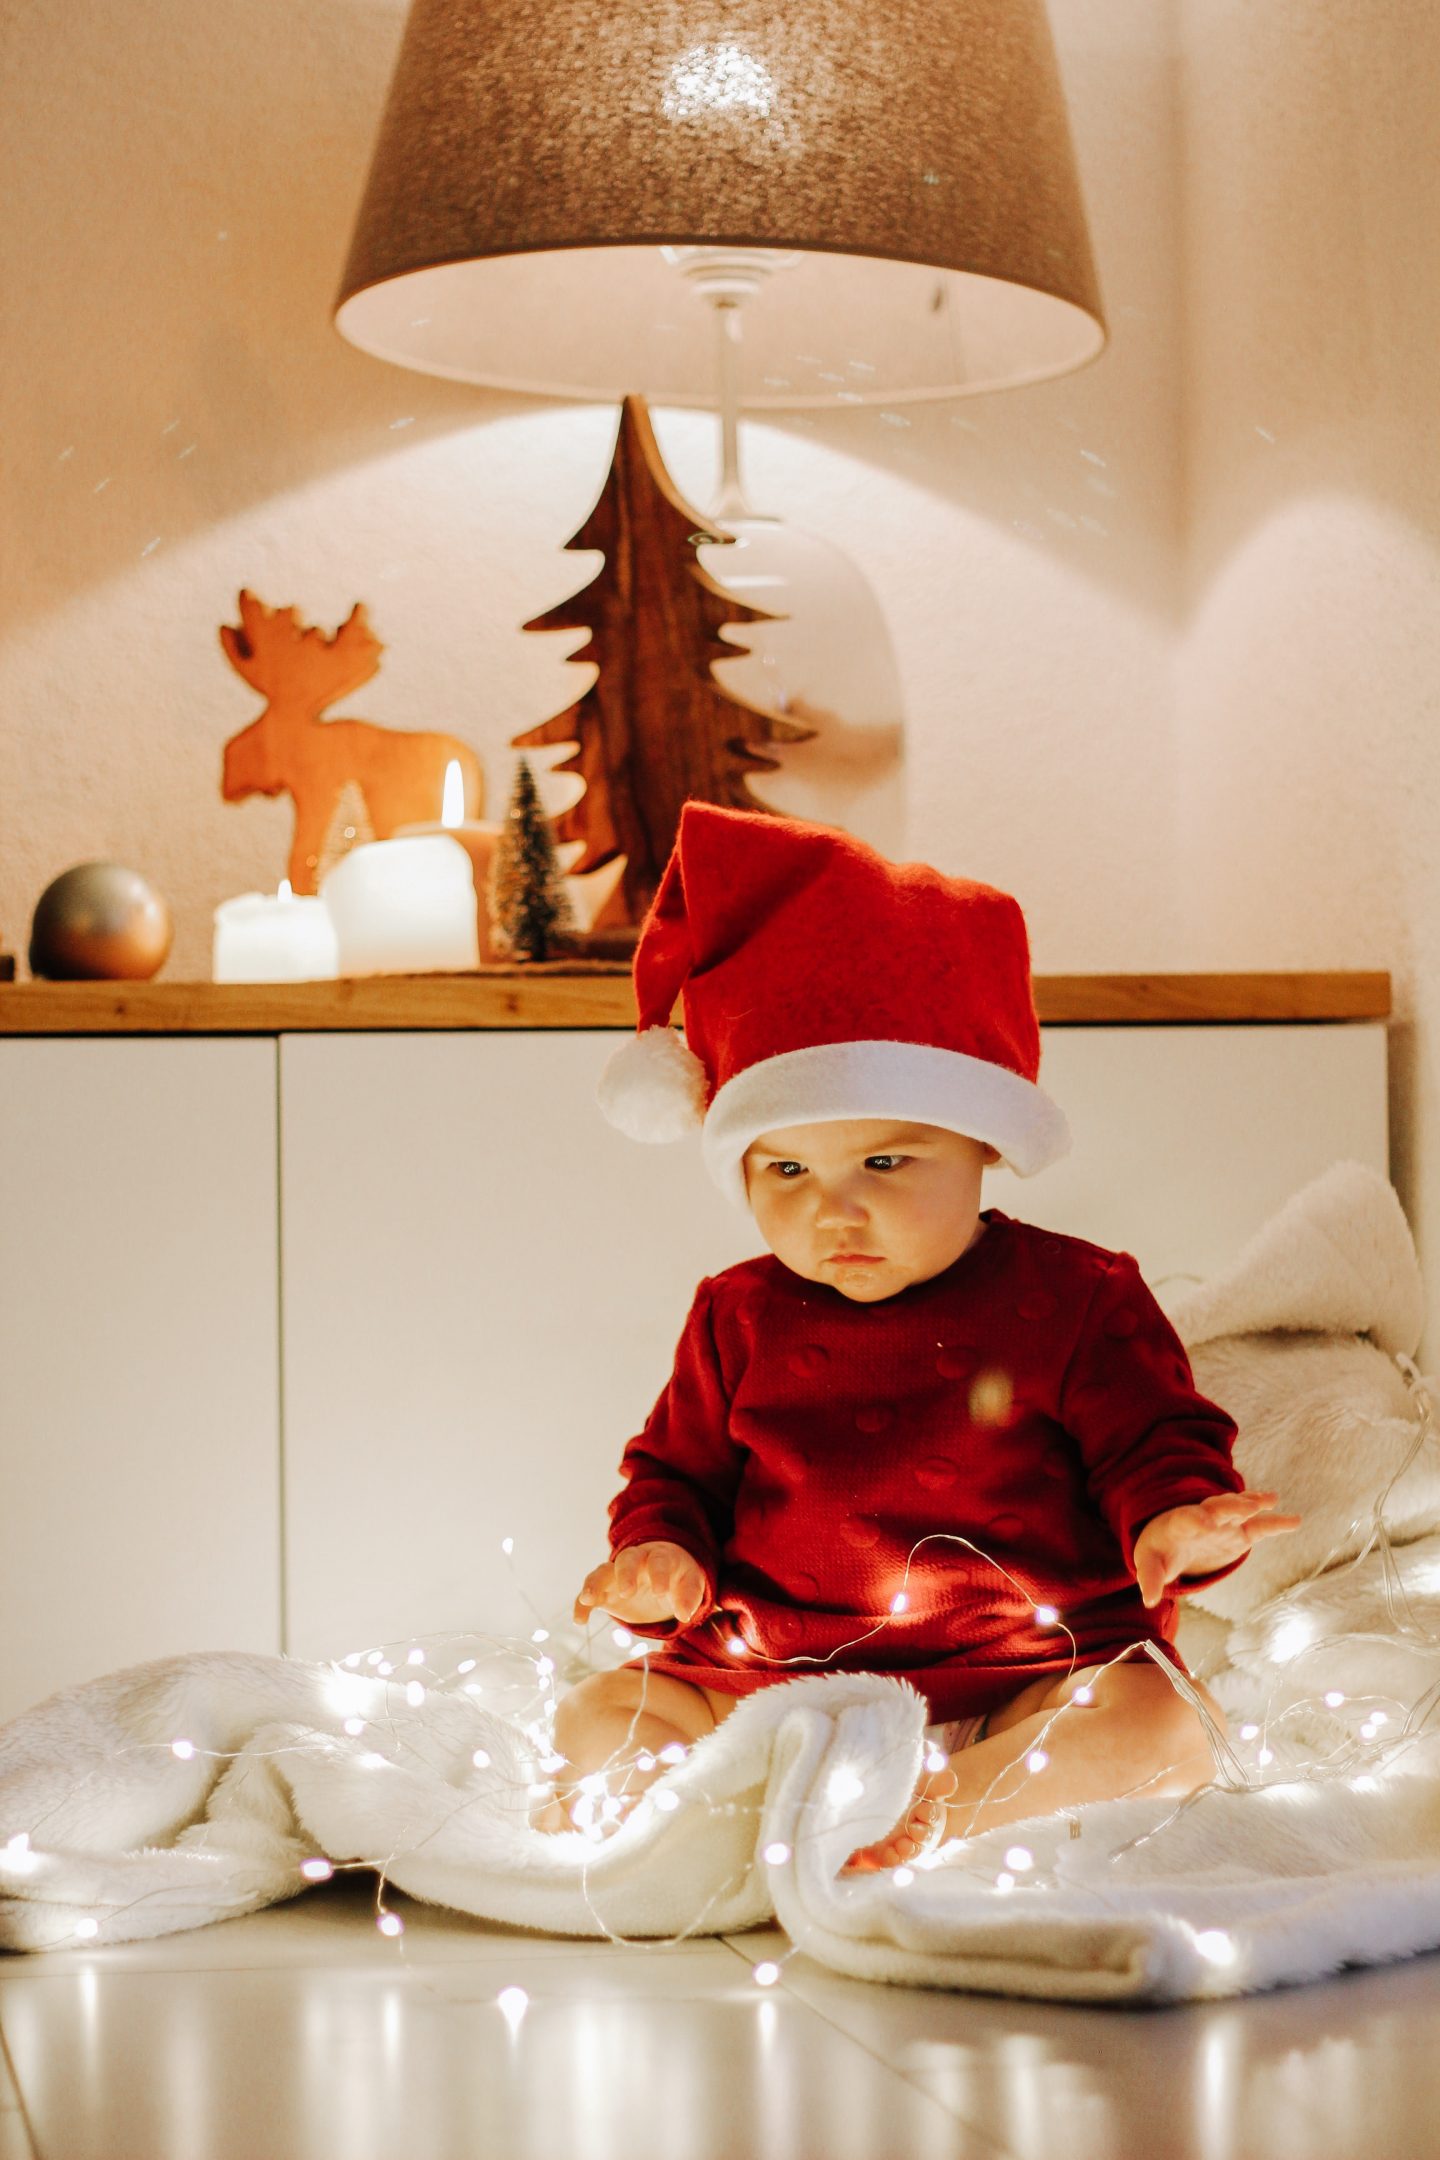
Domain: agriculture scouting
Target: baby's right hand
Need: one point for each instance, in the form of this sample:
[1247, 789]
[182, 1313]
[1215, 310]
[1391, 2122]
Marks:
[658, 1581]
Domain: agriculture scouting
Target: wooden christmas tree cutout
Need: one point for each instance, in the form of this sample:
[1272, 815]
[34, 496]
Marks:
[655, 728]
[400, 776]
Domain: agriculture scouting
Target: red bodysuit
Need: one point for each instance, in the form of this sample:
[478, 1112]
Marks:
[980, 1444]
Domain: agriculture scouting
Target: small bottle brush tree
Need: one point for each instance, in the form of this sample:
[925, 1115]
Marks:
[529, 908]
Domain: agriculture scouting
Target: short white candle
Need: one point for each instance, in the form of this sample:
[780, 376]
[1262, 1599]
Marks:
[404, 907]
[260, 938]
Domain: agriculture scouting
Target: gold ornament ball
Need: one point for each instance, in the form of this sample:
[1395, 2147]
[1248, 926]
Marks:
[99, 923]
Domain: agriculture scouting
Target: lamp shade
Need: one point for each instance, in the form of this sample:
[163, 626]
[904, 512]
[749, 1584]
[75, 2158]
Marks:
[913, 160]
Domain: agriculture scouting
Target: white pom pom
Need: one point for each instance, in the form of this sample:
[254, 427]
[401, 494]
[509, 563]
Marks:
[653, 1088]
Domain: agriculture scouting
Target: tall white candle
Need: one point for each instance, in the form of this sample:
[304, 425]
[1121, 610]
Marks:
[260, 938]
[479, 842]
[404, 907]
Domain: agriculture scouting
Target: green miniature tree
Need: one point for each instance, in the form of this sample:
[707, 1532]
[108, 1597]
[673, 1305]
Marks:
[529, 907]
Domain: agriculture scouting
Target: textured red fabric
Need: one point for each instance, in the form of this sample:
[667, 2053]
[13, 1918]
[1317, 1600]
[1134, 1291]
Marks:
[783, 935]
[1032, 1399]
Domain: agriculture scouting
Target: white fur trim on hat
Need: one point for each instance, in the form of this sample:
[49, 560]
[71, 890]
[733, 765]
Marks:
[914, 1081]
[653, 1088]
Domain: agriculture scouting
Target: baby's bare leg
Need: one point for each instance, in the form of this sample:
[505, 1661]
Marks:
[1137, 1736]
[607, 1723]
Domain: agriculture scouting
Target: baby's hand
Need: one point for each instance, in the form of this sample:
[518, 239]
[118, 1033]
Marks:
[658, 1581]
[1193, 1540]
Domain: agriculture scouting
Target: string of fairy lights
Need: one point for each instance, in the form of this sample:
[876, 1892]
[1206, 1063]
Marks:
[1360, 1753]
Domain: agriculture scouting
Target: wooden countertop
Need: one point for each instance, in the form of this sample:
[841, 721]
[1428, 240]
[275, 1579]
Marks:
[597, 994]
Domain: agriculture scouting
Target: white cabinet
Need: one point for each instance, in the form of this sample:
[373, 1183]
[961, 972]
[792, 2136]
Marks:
[480, 1285]
[139, 1395]
[483, 1283]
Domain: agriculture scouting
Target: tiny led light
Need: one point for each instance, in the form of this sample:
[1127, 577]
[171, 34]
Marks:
[1248, 1732]
[466, 1665]
[1036, 1760]
[645, 1760]
[1019, 1857]
[1216, 1945]
[540, 1634]
[621, 1637]
[385, 1667]
[1004, 1881]
[667, 1802]
[672, 1752]
[776, 1853]
[736, 1646]
[414, 1693]
[481, 1758]
[899, 1602]
[1265, 1755]
[507, 1545]
[316, 1870]
[1333, 1698]
[512, 2002]
[903, 1877]
[86, 1928]
[1046, 1616]
[544, 1666]
[353, 1660]
[936, 1759]
[183, 1748]
[415, 1657]
[842, 1785]
[1083, 1695]
[374, 1657]
[390, 1923]
[354, 1726]
[766, 1973]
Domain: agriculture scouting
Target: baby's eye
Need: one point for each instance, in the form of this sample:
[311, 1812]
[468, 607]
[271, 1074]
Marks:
[885, 1162]
[787, 1169]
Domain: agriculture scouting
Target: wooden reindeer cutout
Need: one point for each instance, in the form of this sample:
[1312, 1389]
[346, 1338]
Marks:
[290, 748]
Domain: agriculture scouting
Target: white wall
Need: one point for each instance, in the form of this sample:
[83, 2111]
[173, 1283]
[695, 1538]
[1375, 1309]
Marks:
[183, 420]
[1308, 650]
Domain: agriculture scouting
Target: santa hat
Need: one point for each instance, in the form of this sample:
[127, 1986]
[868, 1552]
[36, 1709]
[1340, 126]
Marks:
[820, 981]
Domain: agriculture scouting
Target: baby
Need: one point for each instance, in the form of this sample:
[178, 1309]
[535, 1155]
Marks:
[916, 1438]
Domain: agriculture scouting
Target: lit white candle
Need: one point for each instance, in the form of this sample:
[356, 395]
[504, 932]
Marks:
[281, 939]
[404, 907]
[478, 840]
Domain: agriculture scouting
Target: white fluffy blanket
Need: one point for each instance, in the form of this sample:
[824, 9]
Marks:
[196, 1788]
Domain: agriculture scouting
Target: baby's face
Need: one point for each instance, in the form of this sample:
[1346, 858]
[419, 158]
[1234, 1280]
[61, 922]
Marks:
[868, 1205]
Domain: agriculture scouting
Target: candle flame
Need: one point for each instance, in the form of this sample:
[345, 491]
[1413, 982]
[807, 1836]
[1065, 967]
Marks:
[452, 810]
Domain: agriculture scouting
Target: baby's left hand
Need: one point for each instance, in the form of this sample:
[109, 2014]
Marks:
[1209, 1533]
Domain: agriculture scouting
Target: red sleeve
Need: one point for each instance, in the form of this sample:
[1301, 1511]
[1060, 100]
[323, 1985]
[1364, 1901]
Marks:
[682, 1470]
[1150, 1441]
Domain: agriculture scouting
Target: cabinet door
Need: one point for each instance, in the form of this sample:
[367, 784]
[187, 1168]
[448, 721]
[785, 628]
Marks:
[139, 1396]
[483, 1286]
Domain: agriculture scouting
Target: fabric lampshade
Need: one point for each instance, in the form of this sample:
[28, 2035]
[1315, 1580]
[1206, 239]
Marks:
[913, 162]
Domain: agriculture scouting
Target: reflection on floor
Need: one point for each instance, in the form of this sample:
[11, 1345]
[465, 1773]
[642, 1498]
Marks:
[302, 2033]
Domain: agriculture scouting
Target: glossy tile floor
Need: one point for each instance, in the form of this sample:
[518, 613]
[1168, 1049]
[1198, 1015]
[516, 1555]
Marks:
[303, 2034]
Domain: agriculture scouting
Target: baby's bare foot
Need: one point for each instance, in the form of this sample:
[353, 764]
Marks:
[923, 1824]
